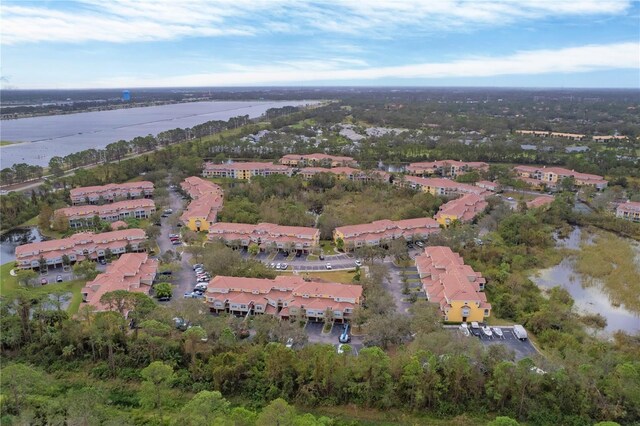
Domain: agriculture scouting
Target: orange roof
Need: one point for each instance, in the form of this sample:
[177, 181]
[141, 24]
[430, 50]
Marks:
[250, 165]
[540, 201]
[119, 224]
[263, 231]
[207, 199]
[92, 210]
[131, 272]
[464, 208]
[446, 278]
[629, 206]
[112, 187]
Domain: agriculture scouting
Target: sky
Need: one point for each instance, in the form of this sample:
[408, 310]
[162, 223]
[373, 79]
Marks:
[58, 44]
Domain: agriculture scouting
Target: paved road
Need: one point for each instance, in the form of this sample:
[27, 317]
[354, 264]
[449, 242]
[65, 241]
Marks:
[184, 279]
[395, 286]
[337, 261]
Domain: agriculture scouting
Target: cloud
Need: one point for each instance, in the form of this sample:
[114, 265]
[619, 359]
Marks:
[567, 60]
[123, 21]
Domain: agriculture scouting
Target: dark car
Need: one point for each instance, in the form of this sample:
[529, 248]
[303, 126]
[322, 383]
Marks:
[298, 253]
[322, 257]
[164, 299]
[102, 261]
[165, 273]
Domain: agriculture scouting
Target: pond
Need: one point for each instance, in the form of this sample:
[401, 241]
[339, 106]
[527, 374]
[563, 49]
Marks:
[16, 237]
[587, 299]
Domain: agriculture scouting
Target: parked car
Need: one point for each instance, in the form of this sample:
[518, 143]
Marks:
[322, 257]
[272, 266]
[44, 281]
[419, 244]
[284, 266]
[486, 330]
[341, 348]
[289, 343]
[102, 261]
[298, 253]
[328, 265]
[358, 262]
[165, 273]
[164, 298]
[475, 328]
[344, 336]
[520, 332]
[464, 329]
[278, 266]
[498, 332]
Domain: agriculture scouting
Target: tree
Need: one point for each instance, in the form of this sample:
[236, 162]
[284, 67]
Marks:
[503, 421]
[60, 223]
[253, 249]
[197, 251]
[191, 338]
[153, 392]
[163, 290]
[340, 244]
[44, 218]
[85, 270]
[203, 409]
[399, 250]
[153, 231]
[278, 412]
[27, 277]
[18, 380]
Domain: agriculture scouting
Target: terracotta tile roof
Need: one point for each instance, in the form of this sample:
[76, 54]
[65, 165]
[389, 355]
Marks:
[112, 188]
[540, 201]
[629, 206]
[207, 199]
[131, 272]
[464, 208]
[446, 278]
[119, 224]
[265, 232]
[446, 184]
[114, 208]
[388, 229]
[79, 240]
[250, 165]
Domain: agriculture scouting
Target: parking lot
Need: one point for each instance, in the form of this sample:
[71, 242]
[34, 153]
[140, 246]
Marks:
[314, 331]
[521, 348]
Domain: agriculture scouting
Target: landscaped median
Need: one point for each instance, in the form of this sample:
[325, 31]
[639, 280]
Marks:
[345, 277]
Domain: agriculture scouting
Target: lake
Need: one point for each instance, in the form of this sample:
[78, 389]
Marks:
[587, 299]
[14, 238]
[60, 135]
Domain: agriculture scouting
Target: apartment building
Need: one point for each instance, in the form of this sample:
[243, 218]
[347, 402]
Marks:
[448, 168]
[488, 185]
[325, 160]
[284, 297]
[206, 202]
[132, 272]
[605, 138]
[79, 247]
[540, 201]
[629, 211]
[542, 133]
[439, 186]
[383, 231]
[266, 235]
[455, 287]
[347, 173]
[244, 170]
[551, 176]
[463, 209]
[82, 216]
[111, 192]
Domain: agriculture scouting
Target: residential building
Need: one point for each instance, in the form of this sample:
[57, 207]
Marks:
[448, 168]
[540, 201]
[384, 231]
[132, 272]
[542, 133]
[347, 173]
[111, 192]
[266, 236]
[317, 159]
[607, 138]
[455, 287]
[629, 211]
[78, 247]
[463, 209]
[206, 202]
[283, 297]
[488, 185]
[245, 170]
[551, 176]
[439, 186]
[82, 216]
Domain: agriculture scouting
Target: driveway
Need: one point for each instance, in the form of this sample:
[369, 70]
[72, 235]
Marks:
[394, 288]
[314, 331]
[522, 349]
[184, 279]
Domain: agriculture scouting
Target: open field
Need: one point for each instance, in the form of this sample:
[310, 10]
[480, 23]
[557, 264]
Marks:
[345, 277]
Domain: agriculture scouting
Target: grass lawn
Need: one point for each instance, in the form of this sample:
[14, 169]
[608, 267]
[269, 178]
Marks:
[9, 285]
[327, 246]
[345, 277]
[312, 257]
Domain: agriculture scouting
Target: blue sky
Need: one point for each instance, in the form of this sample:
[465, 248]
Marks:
[139, 43]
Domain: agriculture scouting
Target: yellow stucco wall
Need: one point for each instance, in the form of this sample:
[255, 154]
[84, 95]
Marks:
[192, 224]
[455, 312]
[442, 219]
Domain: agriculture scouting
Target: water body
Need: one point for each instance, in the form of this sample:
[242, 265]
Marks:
[14, 238]
[60, 135]
[587, 299]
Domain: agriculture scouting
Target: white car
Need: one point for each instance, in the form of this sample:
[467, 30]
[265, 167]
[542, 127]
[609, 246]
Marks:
[341, 348]
[289, 343]
[278, 266]
[284, 266]
[328, 265]
[498, 332]
[464, 329]
[358, 262]
[487, 331]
